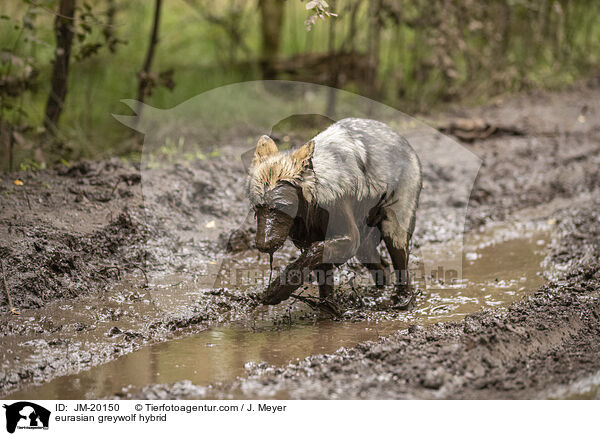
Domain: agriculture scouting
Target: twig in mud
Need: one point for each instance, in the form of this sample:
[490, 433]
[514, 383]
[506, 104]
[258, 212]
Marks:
[319, 303]
[270, 268]
[108, 268]
[27, 198]
[10, 304]
[145, 275]
[311, 301]
[288, 311]
[115, 188]
[358, 297]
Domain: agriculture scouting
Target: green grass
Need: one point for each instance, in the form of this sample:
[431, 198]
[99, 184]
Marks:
[200, 55]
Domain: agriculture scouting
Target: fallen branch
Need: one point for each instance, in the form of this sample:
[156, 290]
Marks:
[471, 129]
[144, 273]
[10, 304]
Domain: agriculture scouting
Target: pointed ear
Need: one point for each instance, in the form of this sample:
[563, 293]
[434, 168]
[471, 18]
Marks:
[265, 147]
[304, 153]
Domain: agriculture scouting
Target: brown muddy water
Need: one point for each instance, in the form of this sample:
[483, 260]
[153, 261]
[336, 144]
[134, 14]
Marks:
[587, 388]
[500, 265]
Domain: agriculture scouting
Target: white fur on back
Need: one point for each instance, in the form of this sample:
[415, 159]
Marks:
[361, 159]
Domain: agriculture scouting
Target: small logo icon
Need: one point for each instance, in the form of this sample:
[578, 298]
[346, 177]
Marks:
[26, 415]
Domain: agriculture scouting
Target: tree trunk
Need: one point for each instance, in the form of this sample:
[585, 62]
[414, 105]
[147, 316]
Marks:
[333, 69]
[374, 40]
[60, 72]
[271, 13]
[144, 87]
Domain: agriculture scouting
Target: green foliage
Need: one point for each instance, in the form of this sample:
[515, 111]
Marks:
[411, 54]
[31, 165]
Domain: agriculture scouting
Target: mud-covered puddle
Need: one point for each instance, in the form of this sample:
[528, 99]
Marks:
[500, 265]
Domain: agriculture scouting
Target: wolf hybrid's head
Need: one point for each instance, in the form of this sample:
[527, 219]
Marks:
[275, 187]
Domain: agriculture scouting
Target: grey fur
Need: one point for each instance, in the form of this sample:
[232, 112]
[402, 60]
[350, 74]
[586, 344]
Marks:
[362, 159]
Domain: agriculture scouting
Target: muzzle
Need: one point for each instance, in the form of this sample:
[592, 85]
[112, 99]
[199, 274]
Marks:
[272, 229]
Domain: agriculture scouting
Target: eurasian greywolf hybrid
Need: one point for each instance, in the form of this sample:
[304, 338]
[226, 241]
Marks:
[336, 197]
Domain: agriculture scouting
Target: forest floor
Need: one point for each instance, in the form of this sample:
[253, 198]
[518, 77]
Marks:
[103, 260]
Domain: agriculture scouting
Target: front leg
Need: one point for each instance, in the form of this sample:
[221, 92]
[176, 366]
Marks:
[298, 272]
[340, 246]
[324, 273]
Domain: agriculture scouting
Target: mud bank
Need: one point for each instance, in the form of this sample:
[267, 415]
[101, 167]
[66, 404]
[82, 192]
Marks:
[96, 274]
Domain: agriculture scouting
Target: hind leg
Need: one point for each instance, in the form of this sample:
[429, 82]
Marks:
[369, 257]
[404, 292]
[396, 240]
[324, 275]
[378, 272]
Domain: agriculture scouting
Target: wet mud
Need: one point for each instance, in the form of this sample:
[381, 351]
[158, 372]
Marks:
[119, 299]
[543, 346]
[220, 354]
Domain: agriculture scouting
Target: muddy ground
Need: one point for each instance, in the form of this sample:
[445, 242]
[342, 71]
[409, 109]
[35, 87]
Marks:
[72, 234]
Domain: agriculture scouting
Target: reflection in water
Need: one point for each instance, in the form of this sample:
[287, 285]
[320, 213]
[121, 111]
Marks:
[494, 274]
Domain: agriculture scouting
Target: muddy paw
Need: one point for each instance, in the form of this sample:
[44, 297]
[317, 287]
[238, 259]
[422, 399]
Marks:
[276, 293]
[272, 299]
[404, 298]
